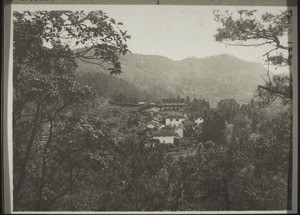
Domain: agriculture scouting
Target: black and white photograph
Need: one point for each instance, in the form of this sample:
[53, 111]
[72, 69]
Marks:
[152, 108]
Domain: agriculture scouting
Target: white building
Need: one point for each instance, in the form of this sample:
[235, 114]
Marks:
[199, 121]
[179, 131]
[165, 135]
[174, 120]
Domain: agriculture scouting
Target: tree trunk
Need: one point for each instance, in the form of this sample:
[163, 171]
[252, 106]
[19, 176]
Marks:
[19, 184]
[226, 195]
[39, 202]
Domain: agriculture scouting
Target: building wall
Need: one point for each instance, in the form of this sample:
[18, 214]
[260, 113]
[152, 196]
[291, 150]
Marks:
[199, 121]
[172, 107]
[165, 139]
[179, 131]
[173, 121]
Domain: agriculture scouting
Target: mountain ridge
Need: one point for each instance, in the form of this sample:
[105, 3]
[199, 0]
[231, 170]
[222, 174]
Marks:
[212, 78]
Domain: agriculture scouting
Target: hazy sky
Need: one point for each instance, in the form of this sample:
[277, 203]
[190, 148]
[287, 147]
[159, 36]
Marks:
[176, 32]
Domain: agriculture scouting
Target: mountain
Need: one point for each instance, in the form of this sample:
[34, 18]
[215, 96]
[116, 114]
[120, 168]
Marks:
[112, 87]
[212, 78]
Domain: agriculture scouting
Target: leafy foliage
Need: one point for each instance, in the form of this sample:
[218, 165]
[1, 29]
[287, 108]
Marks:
[228, 108]
[46, 93]
[245, 28]
[72, 153]
[249, 30]
[213, 127]
[94, 37]
[200, 105]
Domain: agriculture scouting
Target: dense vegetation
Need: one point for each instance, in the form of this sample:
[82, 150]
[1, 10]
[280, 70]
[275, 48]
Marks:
[113, 87]
[74, 151]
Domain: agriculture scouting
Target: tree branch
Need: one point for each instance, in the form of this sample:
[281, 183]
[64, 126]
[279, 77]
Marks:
[92, 63]
[68, 188]
[272, 90]
[39, 202]
[254, 44]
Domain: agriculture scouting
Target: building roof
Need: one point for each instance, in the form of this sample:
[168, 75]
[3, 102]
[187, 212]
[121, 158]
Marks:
[173, 100]
[175, 115]
[156, 120]
[159, 116]
[164, 132]
[152, 123]
[178, 126]
[150, 126]
[172, 104]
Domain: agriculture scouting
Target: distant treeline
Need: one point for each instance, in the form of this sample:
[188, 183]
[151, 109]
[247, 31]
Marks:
[124, 104]
[199, 105]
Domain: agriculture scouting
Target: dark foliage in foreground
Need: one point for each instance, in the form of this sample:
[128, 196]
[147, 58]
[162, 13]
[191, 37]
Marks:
[69, 156]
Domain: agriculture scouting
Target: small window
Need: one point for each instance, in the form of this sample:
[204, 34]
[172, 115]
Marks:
[177, 119]
[171, 119]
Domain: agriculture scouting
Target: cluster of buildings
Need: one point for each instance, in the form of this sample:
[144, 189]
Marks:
[172, 130]
[168, 123]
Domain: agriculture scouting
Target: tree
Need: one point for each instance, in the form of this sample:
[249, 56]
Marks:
[228, 108]
[78, 147]
[46, 47]
[141, 172]
[199, 105]
[133, 120]
[188, 101]
[213, 127]
[251, 111]
[241, 129]
[92, 37]
[218, 166]
[247, 28]
[183, 185]
[271, 159]
[40, 98]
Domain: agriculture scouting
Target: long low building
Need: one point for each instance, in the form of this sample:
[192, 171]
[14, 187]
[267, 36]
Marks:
[173, 104]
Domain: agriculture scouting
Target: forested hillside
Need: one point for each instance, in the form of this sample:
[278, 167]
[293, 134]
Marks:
[211, 78]
[113, 87]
